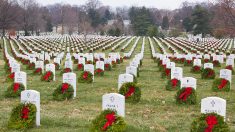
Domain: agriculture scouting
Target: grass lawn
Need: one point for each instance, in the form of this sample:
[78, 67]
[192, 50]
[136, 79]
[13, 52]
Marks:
[157, 110]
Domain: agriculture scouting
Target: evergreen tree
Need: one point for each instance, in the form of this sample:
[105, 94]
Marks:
[187, 23]
[165, 23]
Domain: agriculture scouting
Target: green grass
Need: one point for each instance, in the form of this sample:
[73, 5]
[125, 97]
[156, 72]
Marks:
[157, 110]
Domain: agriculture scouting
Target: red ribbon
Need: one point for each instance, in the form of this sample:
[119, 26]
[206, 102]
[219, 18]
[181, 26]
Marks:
[25, 113]
[223, 83]
[196, 68]
[110, 120]
[98, 70]
[38, 70]
[189, 61]
[67, 70]
[16, 87]
[211, 122]
[167, 71]
[106, 65]
[80, 66]
[113, 62]
[174, 82]
[229, 67]
[130, 92]
[206, 60]
[12, 75]
[186, 93]
[64, 87]
[85, 75]
[48, 74]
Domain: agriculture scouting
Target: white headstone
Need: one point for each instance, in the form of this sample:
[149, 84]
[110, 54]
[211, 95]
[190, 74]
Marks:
[208, 65]
[32, 96]
[213, 105]
[189, 82]
[114, 101]
[197, 62]
[70, 78]
[51, 67]
[20, 77]
[99, 65]
[90, 68]
[177, 73]
[131, 70]
[123, 78]
[226, 74]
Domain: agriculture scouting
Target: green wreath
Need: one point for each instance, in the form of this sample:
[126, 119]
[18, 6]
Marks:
[10, 77]
[65, 70]
[200, 124]
[7, 68]
[216, 63]
[86, 77]
[48, 76]
[208, 74]
[63, 92]
[99, 72]
[80, 67]
[107, 67]
[166, 73]
[37, 71]
[162, 67]
[190, 99]
[188, 62]
[14, 90]
[196, 69]
[230, 67]
[30, 66]
[221, 85]
[21, 120]
[57, 66]
[173, 84]
[131, 91]
[99, 122]
[118, 61]
[114, 64]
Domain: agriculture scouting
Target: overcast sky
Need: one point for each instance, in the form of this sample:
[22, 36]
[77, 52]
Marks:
[161, 4]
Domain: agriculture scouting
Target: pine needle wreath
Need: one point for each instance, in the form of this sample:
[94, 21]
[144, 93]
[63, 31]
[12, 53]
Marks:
[162, 67]
[216, 63]
[14, 90]
[173, 84]
[7, 68]
[196, 69]
[86, 77]
[107, 67]
[10, 77]
[208, 74]
[114, 64]
[131, 91]
[57, 66]
[210, 122]
[37, 71]
[166, 73]
[108, 121]
[65, 91]
[65, 70]
[188, 62]
[221, 85]
[99, 72]
[206, 60]
[89, 62]
[118, 61]
[23, 116]
[48, 76]
[46, 62]
[80, 67]
[186, 95]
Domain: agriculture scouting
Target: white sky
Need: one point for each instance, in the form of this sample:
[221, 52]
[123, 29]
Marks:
[160, 4]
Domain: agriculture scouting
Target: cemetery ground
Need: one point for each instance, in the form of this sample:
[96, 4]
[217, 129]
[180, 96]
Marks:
[157, 110]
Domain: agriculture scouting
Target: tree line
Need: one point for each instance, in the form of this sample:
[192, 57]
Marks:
[216, 19]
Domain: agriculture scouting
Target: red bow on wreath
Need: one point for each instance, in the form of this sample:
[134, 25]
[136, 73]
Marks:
[223, 83]
[12, 75]
[46, 77]
[106, 65]
[80, 66]
[167, 71]
[189, 61]
[186, 93]
[85, 75]
[67, 70]
[174, 82]
[130, 92]
[196, 68]
[25, 112]
[110, 120]
[211, 121]
[229, 67]
[38, 70]
[211, 73]
[99, 70]
[16, 87]
[64, 87]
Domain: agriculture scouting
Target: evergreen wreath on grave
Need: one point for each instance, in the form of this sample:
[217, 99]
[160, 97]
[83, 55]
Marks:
[166, 73]
[216, 63]
[108, 121]
[230, 67]
[89, 62]
[85, 77]
[173, 84]
[107, 67]
[30, 66]
[131, 91]
[99, 72]
[37, 71]
[181, 60]
[48, 76]
[162, 67]
[7, 67]
[188, 62]
[14, 90]
[10, 77]
[57, 66]
[23, 116]
[196, 69]
[80, 67]
[210, 122]
[63, 92]
[46, 62]
[118, 61]
[121, 59]
[206, 60]
[186, 95]
[65, 70]
[221, 84]
[208, 73]
[159, 62]
[114, 64]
